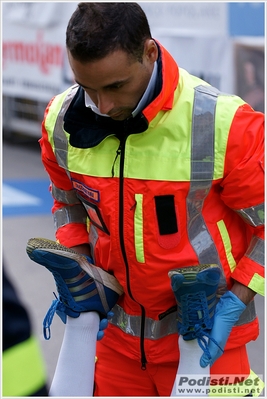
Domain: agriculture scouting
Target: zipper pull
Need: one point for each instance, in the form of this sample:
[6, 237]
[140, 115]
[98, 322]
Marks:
[143, 366]
[118, 152]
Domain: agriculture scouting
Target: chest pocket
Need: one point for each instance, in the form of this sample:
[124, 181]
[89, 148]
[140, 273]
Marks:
[167, 220]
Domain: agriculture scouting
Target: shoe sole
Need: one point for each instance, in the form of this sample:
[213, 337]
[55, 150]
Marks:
[190, 272]
[98, 274]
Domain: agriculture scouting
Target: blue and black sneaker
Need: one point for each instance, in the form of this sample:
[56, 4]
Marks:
[81, 286]
[195, 289]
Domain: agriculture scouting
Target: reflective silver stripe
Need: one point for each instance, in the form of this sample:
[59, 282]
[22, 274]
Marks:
[93, 238]
[256, 250]
[202, 169]
[156, 329]
[253, 215]
[203, 125]
[60, 141]
[69, 214]
[202, 164]
[67, 197]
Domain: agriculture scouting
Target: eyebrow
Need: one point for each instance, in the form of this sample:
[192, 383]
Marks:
[118, 82]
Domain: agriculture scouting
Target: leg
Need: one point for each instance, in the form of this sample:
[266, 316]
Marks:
[118, 375]
[74, 375]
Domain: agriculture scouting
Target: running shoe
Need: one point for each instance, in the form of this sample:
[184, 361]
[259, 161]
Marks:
[195, 289]
[81, 286]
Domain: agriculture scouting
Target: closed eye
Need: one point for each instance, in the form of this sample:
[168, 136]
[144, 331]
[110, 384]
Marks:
[116, 85]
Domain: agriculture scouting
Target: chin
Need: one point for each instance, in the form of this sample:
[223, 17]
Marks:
[122, 116]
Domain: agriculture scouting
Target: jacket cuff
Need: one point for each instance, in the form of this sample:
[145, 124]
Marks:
[72, 234]
[251, 274]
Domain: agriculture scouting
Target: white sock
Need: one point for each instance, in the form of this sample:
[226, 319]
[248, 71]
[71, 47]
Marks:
[190, 354]
[74, 374]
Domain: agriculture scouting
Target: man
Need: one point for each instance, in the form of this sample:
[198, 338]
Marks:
[152, 170]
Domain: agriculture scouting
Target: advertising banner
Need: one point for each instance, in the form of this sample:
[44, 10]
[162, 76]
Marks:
[34, 60]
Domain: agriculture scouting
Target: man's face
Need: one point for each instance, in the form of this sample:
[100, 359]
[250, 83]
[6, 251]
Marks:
[116, 82]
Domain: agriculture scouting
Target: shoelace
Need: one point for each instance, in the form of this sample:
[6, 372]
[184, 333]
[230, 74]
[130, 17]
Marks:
[194, 309]
[58, 306]
[202, 342]
[196, 316]
[55, 306]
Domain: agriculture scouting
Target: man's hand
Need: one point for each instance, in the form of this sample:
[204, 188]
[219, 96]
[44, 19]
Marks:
[83, 249]
[227, 312]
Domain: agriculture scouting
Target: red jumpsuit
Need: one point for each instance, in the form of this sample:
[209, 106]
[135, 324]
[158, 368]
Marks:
[180, 184]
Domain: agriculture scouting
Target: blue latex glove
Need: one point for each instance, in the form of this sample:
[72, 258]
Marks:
[227, 312]
[103, 325]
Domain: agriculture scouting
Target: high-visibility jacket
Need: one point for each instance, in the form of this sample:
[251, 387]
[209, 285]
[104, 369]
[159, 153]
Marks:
[23, 366]
[180, 184]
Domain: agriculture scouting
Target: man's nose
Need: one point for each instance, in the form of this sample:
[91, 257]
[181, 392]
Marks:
[104, 103]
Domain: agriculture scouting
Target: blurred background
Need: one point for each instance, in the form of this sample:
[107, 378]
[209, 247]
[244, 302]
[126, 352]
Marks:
[221, 42]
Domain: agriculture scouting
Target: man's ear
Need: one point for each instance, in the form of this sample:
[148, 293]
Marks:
[150, 51]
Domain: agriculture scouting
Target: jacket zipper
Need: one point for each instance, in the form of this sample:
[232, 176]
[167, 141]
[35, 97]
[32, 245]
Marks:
[121, 151]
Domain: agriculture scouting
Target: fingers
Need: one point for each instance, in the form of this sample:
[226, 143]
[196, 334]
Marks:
[100, 335]
[212, 354]
[204, 360]
[103, 324]
[110, 314]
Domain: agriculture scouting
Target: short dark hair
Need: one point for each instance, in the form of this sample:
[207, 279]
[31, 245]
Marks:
[98, 29]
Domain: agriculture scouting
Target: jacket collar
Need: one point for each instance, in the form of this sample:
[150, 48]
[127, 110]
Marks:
[169, 80]
[87, 129]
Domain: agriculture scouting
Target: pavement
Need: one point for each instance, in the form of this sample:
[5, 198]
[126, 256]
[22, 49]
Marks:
[27, 213]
